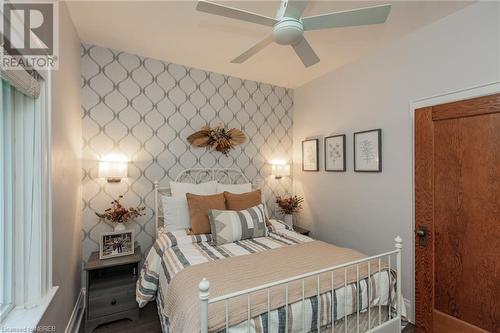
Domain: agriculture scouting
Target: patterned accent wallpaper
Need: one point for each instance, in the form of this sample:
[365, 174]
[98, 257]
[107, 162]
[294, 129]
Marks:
[145, 109]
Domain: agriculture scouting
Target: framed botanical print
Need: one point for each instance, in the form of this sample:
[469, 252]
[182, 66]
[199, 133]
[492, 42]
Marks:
[335, 153]
[310, 155]
[368, 151]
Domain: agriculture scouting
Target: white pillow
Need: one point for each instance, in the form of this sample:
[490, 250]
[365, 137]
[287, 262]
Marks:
[180, 189]
[234, 188]
[175, 213]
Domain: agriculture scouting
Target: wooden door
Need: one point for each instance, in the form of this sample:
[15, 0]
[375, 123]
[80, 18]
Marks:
[457, 216]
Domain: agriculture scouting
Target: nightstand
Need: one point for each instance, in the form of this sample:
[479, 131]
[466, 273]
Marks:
[301, 231]
[111, 289]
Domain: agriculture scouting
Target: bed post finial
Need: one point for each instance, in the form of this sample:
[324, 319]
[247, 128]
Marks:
[399, 242]
[203, 286]
[204, 293]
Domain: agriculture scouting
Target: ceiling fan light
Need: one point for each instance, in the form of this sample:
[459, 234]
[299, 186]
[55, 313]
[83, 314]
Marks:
[288, 32]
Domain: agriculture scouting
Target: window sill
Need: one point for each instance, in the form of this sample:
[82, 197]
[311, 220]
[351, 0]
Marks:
[26, 320]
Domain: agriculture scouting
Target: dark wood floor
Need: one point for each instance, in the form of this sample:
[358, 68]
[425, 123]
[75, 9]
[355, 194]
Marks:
[150, 323]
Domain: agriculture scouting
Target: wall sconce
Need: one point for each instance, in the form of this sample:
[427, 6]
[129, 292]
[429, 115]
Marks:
[113, 168]
[280, 169]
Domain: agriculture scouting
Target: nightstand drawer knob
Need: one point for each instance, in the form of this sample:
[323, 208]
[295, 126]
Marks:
[113, 301]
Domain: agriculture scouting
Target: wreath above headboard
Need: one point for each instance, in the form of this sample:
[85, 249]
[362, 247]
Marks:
[219, 138]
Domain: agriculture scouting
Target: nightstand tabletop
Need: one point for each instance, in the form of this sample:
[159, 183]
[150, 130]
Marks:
[95, 263]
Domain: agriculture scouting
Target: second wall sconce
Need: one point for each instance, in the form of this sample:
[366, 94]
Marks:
[280, 169]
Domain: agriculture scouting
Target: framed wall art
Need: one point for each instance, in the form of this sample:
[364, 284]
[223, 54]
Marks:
[310, 155]
[335, 153]
[368, 151]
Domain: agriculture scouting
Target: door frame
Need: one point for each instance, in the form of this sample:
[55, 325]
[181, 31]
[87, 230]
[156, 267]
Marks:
[452, 96]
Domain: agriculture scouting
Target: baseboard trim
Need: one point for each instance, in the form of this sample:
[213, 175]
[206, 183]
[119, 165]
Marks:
[75, 320]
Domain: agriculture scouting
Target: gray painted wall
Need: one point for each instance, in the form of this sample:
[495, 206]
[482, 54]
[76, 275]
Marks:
[366, 211]
[66, 175]
[146, 108]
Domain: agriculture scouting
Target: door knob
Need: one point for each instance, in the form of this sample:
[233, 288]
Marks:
[422, 233]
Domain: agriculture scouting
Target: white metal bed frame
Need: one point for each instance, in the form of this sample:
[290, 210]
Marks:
[235, 176]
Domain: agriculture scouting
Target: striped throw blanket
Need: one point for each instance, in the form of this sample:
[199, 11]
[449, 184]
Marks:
[175, 251]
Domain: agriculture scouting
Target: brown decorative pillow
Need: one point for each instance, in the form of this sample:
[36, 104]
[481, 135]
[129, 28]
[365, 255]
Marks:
[244, 201]
[198, 210]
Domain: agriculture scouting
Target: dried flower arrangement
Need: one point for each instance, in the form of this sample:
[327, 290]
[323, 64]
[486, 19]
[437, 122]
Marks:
[119, 214]
[219, 138]
[290, 205]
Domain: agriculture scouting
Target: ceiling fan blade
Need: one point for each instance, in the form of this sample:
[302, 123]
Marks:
[348, 18]
[294, 8]
[234, 13]
[253, 50]
[306, 53]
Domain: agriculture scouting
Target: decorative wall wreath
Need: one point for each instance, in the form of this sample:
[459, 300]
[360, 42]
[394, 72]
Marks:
[219, 138]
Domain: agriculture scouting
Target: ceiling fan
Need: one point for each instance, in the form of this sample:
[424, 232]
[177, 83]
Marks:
[289, 25]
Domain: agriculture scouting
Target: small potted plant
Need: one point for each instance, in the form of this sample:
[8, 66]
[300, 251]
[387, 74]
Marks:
[288, 206]
[119, 215]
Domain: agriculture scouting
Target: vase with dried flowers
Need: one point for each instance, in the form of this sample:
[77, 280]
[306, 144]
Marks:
[288, 206]
[119, 215]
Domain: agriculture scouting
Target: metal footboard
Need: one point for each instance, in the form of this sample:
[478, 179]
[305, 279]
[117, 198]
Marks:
[393, 322]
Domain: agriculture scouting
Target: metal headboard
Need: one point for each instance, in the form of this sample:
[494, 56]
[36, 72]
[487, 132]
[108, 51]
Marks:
[197, 176]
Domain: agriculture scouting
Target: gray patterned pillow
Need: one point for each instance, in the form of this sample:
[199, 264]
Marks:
[230, 225]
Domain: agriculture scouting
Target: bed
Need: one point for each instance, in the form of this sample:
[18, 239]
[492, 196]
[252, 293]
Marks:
[282, 282]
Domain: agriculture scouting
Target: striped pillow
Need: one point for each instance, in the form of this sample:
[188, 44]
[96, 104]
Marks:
[230, 225]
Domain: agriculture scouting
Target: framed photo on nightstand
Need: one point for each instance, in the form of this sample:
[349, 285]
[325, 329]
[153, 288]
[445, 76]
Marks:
[116, 244]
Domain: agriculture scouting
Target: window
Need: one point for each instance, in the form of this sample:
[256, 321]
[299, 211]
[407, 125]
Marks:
[25, 200]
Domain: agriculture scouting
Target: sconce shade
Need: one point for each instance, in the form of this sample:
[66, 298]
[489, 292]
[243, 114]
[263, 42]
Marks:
[113, 169]
[280, 169]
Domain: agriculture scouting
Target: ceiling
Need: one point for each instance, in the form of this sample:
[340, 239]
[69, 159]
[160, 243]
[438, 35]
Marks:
[174, 31]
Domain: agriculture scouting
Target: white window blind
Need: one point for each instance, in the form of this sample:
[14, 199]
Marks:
[22, 81]
[6, 200]
[25, 255]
